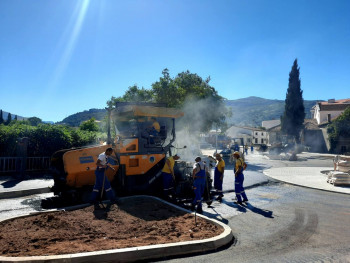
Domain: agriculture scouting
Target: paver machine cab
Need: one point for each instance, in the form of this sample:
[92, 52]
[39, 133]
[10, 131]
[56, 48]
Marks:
[140, 156]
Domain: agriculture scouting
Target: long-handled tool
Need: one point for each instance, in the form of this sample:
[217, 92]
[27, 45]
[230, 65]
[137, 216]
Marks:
[103, 185]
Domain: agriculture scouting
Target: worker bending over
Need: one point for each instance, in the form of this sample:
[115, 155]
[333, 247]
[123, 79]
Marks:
[102, 182]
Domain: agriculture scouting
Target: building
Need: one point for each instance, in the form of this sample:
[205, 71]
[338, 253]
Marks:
[270, 124]
[260, 136]
[325, 112]
[247, 135]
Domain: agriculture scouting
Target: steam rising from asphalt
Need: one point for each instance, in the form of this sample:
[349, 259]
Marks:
[189, 127]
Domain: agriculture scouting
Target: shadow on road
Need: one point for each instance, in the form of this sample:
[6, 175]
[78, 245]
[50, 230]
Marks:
[243, 208]
[10, 183]
[215, 215]
[257, 210]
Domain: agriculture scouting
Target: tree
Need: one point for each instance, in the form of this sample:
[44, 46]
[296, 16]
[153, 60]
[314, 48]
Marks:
[133, 94]
[294, 111]
[196, 97]
[340, 128]
[187, 91]
[1, 117]
[34, 121]
[89, 125]
[9, 119]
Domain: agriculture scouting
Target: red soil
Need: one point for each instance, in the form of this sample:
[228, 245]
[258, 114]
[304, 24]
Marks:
[135, 222]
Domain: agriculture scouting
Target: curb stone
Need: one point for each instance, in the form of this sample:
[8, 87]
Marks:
[305, 186]
[24, 192]
[135, 253]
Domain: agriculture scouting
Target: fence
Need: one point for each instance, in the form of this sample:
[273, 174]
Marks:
[20, 164]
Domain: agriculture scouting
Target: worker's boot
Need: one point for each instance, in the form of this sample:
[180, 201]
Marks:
[199, 209]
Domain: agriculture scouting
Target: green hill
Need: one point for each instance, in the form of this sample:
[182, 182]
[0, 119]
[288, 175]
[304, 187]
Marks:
[77, 118]
[249, 111]
[252, 111]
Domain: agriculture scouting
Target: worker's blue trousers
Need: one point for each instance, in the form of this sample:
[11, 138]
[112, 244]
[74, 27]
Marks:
[168, 184]
[198, 185]
[239, 188]
[218, 181]
[98, 186]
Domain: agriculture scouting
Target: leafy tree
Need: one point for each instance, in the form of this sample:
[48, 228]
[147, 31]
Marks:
[187, 91]
[15, 117]
[340, 127]
[1, 117]
[89, 125]
[133, 94]
[200, 101]
[34, 121]
[294, 111]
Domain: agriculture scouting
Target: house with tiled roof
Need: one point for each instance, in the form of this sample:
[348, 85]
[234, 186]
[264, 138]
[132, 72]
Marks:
[326, 111]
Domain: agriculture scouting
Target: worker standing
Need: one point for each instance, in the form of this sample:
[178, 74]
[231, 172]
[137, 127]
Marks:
[169, 176]
[239, 178]
[219, 176]
[101, 181]
[198, 173]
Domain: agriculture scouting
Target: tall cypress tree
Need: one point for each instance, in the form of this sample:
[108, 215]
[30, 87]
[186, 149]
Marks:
[1, 118]
[9, 119]
[294, 110]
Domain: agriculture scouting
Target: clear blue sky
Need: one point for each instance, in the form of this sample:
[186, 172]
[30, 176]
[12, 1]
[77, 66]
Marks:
[60, 57]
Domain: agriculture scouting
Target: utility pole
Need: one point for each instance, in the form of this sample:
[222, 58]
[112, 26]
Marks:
[109, 138]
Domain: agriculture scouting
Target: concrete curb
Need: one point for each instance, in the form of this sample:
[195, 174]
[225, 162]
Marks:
[305, 186]
[24, 192]
[137, 253]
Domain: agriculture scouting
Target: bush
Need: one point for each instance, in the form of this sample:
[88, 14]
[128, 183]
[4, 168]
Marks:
[44, 140]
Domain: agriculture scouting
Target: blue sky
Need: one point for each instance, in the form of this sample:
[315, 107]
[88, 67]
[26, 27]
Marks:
[60, 57]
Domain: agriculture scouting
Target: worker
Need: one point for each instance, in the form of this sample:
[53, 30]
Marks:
[198, 173]
[251, 148]
[246, 149]
[153, 130]
[169, 176]
[101, 181]
[219, 176]
[232, 161]
[239, 178]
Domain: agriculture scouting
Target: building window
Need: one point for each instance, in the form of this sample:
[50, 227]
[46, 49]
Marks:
[256, 134]
[262, 140]
[256, 140]
[328, 117]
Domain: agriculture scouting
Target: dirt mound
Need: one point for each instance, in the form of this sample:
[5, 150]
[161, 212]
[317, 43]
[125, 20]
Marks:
[136, 222]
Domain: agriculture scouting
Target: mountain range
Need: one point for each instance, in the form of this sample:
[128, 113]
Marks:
[249, 111]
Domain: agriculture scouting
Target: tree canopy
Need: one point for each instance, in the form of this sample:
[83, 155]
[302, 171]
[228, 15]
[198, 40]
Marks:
[187, 91]
[1, 117]
[34, 121]
[89, 125]
[294, 111]
[339, 128]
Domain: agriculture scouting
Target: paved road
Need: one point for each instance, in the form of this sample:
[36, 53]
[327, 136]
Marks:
[283, 223]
